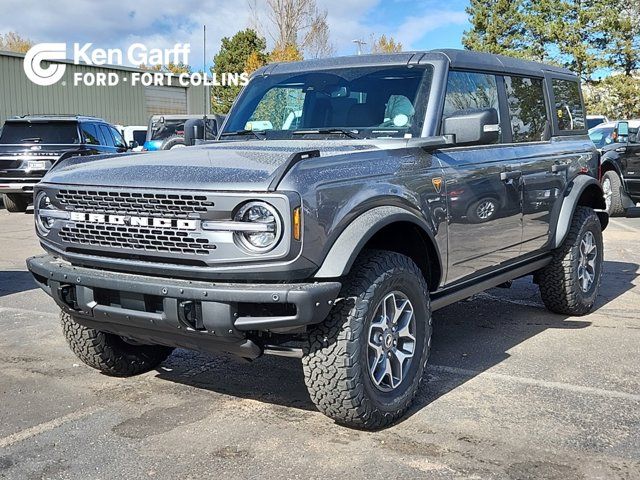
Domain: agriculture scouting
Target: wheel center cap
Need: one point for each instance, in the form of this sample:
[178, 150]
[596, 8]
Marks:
[388, 340]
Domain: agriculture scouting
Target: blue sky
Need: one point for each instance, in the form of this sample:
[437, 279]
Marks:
[418, 24]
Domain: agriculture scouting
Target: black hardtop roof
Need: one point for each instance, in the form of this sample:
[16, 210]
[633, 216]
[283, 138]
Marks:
[457, 59]
[55, 118]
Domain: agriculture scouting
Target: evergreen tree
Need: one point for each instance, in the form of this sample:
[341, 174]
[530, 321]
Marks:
[232, 58]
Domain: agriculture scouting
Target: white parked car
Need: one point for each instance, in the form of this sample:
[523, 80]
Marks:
[134, 133]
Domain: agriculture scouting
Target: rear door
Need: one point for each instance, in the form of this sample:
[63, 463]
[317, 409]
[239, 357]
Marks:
[544, 164]
[484, 210]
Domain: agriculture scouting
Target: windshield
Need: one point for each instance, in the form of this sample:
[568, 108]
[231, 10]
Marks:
[163, 130]
[60, 133]
[364, 102]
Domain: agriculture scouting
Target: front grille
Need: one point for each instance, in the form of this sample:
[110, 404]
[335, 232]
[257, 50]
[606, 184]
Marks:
[161, 240]
[176, 205]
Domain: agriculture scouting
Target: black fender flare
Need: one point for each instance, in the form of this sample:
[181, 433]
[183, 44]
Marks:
[355, 236]
[615, 166]
[572, 196]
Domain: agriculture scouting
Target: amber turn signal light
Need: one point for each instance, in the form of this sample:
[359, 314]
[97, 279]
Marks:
[297, 224]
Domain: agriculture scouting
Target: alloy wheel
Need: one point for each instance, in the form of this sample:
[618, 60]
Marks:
[392, 341]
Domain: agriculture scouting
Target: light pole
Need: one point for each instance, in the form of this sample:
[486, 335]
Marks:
[360, 43]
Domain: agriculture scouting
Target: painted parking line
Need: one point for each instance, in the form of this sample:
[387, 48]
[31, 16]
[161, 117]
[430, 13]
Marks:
[624, 226]
[568, 387]
[46, 426]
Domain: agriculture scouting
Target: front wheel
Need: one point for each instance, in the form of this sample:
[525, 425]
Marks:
[110, 353]
[612, 189]
[569, 284]
[16, 202]
[363, 365]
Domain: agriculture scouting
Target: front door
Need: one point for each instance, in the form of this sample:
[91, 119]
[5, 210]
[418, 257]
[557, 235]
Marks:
[482, 187]
[630, 164]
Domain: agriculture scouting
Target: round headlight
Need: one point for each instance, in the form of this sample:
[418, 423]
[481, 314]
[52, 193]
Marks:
[43, 206]
[264, 227]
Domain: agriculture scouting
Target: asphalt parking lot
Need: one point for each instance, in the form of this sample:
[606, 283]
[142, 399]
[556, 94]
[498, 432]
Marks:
[512, 391]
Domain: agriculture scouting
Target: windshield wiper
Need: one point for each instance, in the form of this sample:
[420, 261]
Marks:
[243, 132]
[327, 131]
[31, 139]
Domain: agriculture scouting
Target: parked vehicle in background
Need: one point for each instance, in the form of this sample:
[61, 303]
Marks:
[334, 239]
[134, 136]
[31, 144]
[166, 132]
[619, 145]
[594, 120]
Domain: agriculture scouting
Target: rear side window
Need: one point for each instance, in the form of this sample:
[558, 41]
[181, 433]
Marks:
[470, 91]
[90, 134]
[568, 105]
[117, 138]
[106, 134]
[525, 97]
[140, 136]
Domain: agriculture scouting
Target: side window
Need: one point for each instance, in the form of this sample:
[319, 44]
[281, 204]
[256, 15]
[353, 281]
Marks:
[568, 108]
[106, 134]
[525, 97]
[90, 134]
[117, 138]
[470, 91]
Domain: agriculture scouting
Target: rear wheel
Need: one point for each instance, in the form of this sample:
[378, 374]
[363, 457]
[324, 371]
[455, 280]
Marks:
[569, 284]
[363, 365]
[16, 202]
[612, 188]
[109, 353]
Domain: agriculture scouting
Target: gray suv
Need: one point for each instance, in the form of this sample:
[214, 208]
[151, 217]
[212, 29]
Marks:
[344, 202]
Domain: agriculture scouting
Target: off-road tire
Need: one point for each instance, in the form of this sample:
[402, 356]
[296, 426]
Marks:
[15, 202]
[617, 206]
[335, 361]
[173, 142]
[558, 281]
[110, 353]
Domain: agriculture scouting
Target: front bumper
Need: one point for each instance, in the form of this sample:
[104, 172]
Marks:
[18, 185]
[155, 309]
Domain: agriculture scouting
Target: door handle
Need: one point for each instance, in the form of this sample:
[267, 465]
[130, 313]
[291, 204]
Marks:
[510, 175]
[559, 167]
[621, 149]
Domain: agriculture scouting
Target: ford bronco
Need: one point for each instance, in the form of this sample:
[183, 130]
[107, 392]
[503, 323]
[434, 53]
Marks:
[406, 183]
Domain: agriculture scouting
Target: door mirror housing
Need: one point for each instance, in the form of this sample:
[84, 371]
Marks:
[195, 129]
[623, 129]
[475, 126]
[133, 144]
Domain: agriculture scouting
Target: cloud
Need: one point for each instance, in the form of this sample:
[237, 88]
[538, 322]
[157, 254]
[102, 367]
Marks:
[416, 28]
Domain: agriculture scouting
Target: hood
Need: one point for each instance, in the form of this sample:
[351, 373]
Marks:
[229, 165]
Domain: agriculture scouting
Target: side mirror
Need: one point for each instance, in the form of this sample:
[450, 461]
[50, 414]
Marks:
[133, 144]
[623, 129]
[475, 126]
[195, 129]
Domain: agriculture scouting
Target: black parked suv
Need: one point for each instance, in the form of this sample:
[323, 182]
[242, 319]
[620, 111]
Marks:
[332, 238]
[31, 144]
[620, 147]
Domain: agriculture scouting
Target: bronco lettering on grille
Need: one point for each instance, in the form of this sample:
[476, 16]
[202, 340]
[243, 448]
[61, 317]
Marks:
[132, 221]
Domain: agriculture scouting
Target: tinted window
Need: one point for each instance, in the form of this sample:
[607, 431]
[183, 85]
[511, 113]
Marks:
[90, 133]
[527, 110]
[568, 108]
[106, 134]
[117, 138]
[470, 91]
[35, 132]
[166, 129]
[140, 136]
[601, 136]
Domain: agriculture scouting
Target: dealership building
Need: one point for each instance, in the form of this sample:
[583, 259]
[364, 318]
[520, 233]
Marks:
[123, 104]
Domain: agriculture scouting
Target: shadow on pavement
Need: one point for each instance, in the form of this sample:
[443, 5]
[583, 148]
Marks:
[15, 281]
[470, 336]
